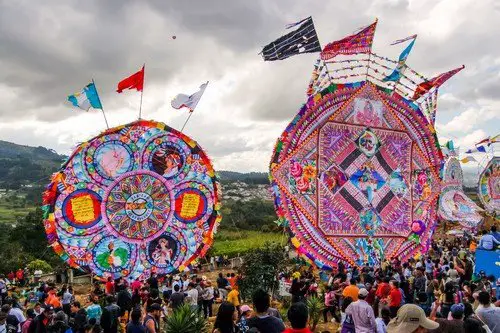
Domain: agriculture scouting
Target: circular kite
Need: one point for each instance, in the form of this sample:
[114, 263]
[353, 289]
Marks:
[489, 186]
[136, 199]
[454, 204]
[356, 176]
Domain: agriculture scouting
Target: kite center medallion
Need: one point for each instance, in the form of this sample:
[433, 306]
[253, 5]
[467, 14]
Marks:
[137, 206]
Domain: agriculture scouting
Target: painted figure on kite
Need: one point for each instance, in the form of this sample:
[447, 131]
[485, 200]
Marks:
[136, 199]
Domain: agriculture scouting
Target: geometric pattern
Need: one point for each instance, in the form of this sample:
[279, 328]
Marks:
[136, 199]
[375, 163]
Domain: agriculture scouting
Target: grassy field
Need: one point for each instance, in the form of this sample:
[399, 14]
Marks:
[232, 243]
[9, 213]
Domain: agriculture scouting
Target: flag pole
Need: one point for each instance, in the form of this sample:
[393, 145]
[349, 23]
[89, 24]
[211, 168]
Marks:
[185, 123]
[102, 109]
[142, 90]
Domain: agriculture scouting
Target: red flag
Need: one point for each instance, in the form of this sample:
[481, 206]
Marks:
[425, 86]
[134, 81]
[357, 43]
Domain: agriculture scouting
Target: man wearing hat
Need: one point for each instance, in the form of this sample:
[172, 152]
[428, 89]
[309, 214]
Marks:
[362, 314]
[455, 324]
[411, 319]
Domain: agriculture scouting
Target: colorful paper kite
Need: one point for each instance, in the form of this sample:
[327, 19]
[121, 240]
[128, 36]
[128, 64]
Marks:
[489, 186]
[136, 199]
[355, 176]
[454, 204]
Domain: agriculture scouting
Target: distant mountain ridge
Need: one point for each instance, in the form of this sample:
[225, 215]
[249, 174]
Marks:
[24, 165]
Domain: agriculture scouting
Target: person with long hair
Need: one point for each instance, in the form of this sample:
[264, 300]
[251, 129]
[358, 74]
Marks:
[224, 322]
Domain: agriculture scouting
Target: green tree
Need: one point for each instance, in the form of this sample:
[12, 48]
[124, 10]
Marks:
[38, 264]
[260, 269]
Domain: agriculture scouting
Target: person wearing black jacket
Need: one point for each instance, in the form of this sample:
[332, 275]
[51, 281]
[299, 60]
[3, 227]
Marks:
[110, 316]
[124, 300]
[39, 325]
[77, 318]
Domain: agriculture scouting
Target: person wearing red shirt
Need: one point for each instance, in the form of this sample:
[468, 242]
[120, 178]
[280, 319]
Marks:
[298, 315]
[11, 276]
[383, 289]
[110, 286]
[20, 277]
[136, 286]
[395, 298]
[370, 299]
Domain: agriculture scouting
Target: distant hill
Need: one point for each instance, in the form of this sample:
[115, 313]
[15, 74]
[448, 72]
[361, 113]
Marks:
[249, 178]
[25, 165]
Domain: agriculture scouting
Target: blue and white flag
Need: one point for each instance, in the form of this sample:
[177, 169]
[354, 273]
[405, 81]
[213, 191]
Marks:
[87, 98]
[400, 67]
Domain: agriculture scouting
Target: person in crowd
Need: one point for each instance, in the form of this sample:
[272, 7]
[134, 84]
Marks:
[208, 299]
[246, 313]
[330, 305]
[177, 297]
[30, 316]
[488, 241]
[40, 323]
[135, 325]
[298, 315]
[94, 310]
[110, 286]
[110, 317]
[233, 297]
[395, 298]
[362, 313]
[383, 320]
[152, 318]
[192, 296]
[453, 325]
[224, 322]
[77, 318]
[411, 319]
[67, 298]
[351, 290]
[123, 300]
[60, 323]
[488, 313]
[222, 284]
[262, 320]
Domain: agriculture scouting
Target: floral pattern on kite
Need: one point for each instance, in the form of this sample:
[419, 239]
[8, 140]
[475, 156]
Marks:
[138, 198]
[377, 166]
[489, 186]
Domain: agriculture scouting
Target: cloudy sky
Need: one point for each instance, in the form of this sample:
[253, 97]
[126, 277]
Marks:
[52, 48]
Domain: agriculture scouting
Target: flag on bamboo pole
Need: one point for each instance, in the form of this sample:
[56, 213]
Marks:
[400, 67]
[360, 42]
[437, 81]
[86, 98]
[134, 81]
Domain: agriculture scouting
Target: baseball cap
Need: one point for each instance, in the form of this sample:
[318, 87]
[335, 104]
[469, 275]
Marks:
[457, 309]
[409, 318]
[363, 292]
[245, 308]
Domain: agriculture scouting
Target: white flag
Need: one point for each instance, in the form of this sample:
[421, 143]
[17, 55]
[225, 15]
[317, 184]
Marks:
[189, 101]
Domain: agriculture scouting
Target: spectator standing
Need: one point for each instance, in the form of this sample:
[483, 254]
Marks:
[362, 314]
[262, 320]
[488, 313]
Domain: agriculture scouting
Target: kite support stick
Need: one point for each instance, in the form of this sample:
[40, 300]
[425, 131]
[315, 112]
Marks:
[185, 123]
[102, 109]
[142, 90]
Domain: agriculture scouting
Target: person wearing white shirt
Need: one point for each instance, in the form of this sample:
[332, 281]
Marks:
[383, 320]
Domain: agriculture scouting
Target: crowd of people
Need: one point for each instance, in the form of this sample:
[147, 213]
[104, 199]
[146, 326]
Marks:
[436, 293]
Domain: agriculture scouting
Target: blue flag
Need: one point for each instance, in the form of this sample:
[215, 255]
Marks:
[87, 98]
[398, 71]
